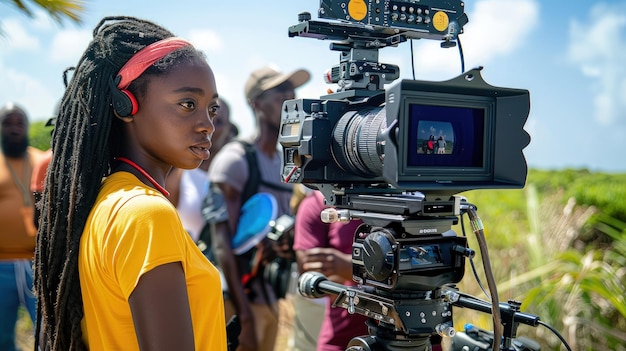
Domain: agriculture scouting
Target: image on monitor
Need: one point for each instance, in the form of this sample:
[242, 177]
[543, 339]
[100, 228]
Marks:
[445, 136]
[435, 138]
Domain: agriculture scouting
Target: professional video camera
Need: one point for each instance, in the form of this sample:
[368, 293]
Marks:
[396, 159]
[367, 138]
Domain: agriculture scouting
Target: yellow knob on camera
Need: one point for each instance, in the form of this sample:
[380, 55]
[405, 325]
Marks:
[440, 21]
[357, 9]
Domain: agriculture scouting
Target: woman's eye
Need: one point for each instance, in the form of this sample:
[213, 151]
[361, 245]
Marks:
[188, 105]
[213, 111]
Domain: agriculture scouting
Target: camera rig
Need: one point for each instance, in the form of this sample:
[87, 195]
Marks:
[372, 154]
[362, 28]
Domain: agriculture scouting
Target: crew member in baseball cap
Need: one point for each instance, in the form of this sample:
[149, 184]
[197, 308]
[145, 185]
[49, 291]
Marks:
[269, 77]
[254, 299]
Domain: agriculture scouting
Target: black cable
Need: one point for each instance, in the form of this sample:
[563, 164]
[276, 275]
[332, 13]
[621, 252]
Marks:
[458, 41]
[412, 59]
[558, 335]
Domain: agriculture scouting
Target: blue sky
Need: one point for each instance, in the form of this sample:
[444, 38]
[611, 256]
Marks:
[570, 56]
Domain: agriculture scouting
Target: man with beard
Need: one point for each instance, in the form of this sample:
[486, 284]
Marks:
[17, 233]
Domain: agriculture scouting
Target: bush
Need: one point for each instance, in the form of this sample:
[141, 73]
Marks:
[545, 251]
[40, 135]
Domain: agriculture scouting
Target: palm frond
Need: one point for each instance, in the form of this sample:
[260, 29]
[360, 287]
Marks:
[57, 9]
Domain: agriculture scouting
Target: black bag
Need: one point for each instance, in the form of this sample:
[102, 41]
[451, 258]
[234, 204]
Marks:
[278, 273]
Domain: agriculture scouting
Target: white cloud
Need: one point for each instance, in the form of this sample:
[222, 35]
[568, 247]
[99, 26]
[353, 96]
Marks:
[599, 37]
[499, 27]
[495, 28]
[42, 21]
[26, 90]
[598, 47]
[68, 45]
[206, 40]
[17, 37]
[591, 70]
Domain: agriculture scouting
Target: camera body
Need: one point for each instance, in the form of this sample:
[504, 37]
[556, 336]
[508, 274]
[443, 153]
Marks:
[379, 141]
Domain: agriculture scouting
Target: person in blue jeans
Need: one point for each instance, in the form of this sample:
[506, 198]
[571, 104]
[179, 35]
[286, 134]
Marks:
[17, 228]
[16, 289]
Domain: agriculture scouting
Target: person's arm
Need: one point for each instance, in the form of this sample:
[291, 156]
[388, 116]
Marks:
[160, 308]
[228, 263]
[334, 264]
[312, 243]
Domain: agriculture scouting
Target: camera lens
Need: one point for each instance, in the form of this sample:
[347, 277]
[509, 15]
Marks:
[357, 143]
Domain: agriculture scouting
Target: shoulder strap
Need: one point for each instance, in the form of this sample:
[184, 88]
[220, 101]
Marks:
[254, 174]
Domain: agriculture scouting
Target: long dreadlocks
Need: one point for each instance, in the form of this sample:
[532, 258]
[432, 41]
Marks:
[85, 140]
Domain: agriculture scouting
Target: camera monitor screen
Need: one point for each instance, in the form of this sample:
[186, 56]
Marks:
[455, 135]
[445, 136]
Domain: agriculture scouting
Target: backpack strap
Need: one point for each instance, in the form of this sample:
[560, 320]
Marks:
[254, 175]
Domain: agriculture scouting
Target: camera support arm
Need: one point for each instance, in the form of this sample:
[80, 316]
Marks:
[510, 312]
[421, 315]
[417, 316]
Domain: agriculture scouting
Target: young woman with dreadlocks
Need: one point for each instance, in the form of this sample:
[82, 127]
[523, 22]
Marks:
[115, 269]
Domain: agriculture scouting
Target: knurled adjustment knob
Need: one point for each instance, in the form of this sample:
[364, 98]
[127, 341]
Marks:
[378, 256]
[304, 16]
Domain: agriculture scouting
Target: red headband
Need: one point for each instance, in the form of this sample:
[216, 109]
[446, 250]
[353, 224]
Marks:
[145, 57]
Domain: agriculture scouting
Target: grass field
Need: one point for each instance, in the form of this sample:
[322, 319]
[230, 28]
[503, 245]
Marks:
[24, 332]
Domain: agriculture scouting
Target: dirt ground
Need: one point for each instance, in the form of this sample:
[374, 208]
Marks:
[285, 324]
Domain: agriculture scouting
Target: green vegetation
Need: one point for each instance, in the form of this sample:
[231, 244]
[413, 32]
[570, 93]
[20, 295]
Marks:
[57, 9]
[559, 246]
[39, 135]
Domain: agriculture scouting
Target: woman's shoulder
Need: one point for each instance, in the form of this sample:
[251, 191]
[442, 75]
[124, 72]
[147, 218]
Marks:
[125, 189]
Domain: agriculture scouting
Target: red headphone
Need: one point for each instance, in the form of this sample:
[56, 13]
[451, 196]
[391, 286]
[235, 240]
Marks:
[123, 101]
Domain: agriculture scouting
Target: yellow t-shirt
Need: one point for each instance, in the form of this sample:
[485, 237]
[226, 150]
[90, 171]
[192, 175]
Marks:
[132, 229]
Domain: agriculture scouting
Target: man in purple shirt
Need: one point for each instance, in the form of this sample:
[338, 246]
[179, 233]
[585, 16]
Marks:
[327, 248]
